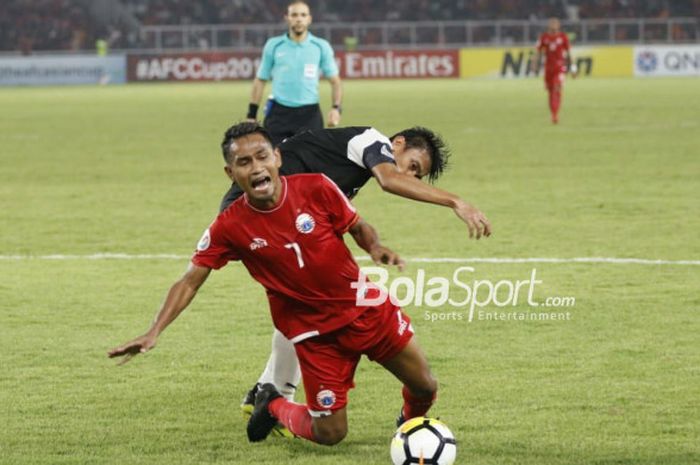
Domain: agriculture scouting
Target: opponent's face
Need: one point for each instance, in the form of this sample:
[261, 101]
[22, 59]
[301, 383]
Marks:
[553, 25]
[298, 18]
[411, 161]
[254, 166]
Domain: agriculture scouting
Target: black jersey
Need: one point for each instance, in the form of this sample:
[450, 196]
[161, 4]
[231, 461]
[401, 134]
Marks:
[345, 155]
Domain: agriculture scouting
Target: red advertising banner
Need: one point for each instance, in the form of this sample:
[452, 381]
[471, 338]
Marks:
[200, 66]
[397, 64]
[211, 66]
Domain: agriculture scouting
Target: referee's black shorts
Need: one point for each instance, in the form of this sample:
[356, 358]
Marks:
[282, 122]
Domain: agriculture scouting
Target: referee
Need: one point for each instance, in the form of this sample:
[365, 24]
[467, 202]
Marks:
[294, 62]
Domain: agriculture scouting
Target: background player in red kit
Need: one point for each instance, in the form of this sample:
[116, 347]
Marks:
[554, 44]
[288, 233]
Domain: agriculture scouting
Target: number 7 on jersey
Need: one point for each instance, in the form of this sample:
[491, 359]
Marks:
[297, 250]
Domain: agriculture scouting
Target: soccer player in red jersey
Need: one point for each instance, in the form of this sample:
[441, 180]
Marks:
[288, 234]
[554, 45]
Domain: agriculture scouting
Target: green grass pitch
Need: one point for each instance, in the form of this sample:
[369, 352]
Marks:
[136, 169]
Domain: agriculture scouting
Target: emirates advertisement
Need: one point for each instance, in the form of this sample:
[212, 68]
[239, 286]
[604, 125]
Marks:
[395, 64]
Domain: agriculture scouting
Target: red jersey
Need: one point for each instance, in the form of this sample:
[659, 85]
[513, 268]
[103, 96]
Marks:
[555, 46]
[296, 251]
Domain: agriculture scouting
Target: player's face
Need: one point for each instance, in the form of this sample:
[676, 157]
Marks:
[298, 18]
[553, 25]
[254, 166]
[411, 161]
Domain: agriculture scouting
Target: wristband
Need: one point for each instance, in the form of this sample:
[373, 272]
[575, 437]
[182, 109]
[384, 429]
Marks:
[339, 108]
[252, 110]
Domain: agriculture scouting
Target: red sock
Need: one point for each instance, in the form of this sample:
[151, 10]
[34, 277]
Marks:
[415, 406]
[294, 416]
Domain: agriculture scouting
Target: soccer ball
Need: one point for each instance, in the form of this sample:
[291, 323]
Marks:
[423, 440]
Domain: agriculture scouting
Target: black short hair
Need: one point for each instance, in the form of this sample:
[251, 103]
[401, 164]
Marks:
[423, 138]
[239, 130]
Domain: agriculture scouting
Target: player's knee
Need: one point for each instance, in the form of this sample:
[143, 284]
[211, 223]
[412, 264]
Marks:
[330, 434]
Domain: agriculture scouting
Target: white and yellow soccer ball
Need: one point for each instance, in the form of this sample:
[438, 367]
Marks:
[423, 440]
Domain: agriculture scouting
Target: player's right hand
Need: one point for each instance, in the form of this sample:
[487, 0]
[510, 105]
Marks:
[251, 120]
[573, 70]
[477, 223]
[140, 345]
[385, 256]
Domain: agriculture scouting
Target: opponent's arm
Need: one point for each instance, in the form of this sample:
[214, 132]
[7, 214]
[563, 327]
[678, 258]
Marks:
[337, 100]
[255, 96]
[367, 238]
[392, 180]
[179, 297]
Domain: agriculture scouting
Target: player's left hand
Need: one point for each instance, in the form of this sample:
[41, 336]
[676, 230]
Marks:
[333, 118]
[476, 221]
[131, 349]
[385, 256]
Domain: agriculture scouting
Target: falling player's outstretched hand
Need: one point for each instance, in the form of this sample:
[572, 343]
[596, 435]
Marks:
[140, 345]
[385, 256]
[476, 221]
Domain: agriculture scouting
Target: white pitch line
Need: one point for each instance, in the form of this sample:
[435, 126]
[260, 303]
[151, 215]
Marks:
[496, 260]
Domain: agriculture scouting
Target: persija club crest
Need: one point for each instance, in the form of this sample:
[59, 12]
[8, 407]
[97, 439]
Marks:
[326, 398]
[305, 223]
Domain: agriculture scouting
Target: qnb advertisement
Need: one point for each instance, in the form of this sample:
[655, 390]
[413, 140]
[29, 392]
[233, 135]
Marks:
[397, 64]
[193, 67]
[667, 60]
[516, 62]
[62, 70]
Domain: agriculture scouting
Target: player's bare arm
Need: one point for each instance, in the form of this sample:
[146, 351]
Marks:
[571, 64]
[367, 238]
[255, 97]
[404, 185]
[337, 99]
[536, 61]
[179, 297]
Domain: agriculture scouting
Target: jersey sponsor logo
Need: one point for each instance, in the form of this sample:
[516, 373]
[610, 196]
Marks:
[305, 223]
[326, 398]
[258, 243]
[204, 242]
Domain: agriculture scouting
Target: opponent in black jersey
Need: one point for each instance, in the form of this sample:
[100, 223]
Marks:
[349, 157]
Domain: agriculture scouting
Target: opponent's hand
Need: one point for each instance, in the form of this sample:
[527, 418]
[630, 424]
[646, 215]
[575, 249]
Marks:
[476, 221]
[333, 118]
[131, 349]
[385, 256]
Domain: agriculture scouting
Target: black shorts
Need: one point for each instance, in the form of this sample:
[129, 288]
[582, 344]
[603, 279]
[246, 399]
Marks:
[282, 122]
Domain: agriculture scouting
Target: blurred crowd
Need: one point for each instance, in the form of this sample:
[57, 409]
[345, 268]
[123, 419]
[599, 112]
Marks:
[27, 25]
[266, 11]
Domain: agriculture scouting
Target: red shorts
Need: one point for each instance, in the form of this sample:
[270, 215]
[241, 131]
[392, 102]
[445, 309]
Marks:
[328, 361]
[554, 77]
